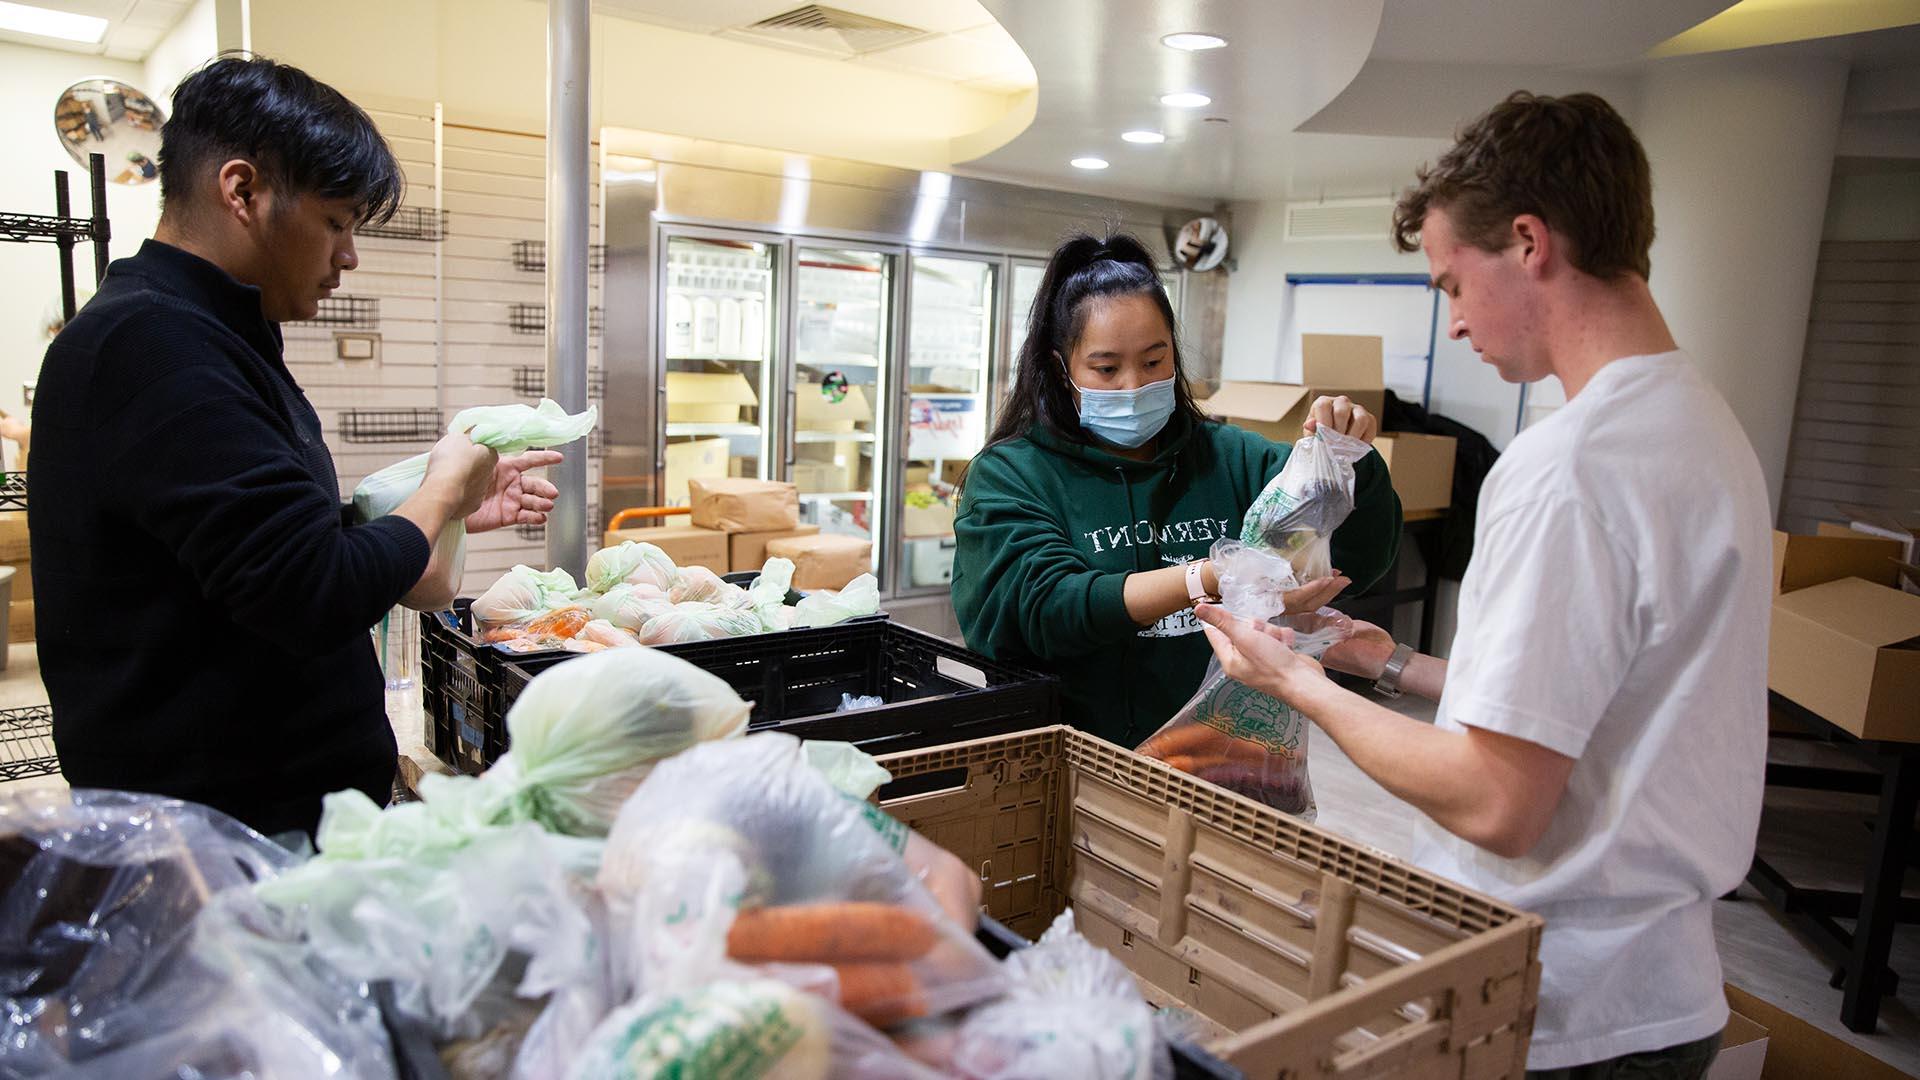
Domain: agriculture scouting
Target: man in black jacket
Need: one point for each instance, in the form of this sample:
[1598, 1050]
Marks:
[203, 598]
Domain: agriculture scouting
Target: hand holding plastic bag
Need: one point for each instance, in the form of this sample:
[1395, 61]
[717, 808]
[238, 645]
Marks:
[1297, 512]
[508, 429]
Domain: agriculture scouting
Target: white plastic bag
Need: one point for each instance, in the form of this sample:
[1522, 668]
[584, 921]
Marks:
[697, 584]
[696, 621]
[584, 734]
[521, 594]
[1297, 512]
[632, 563]
[851, 703]
[748, 841]
[1071, 1010]
[630, 606]
[861, 597]
[603, 633]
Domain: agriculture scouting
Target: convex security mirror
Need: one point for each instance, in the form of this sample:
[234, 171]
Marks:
[1202, 244]
[114, 120]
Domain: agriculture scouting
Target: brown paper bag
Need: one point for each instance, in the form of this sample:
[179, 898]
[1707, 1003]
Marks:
[733, 504]
[824, 562]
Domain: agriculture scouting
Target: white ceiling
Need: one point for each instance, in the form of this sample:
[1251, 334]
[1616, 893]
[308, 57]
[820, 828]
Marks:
[961, 42]
[134, 27]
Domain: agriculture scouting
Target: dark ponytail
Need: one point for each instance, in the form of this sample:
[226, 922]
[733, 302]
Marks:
[1082, 269]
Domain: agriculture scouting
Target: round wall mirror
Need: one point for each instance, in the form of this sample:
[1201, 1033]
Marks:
[1202, 244]
[110, 118]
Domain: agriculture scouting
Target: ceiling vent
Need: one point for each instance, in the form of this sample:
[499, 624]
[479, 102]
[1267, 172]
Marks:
[1342, 219]
[816, 28]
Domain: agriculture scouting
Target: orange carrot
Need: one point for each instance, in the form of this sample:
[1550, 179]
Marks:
[830, 933]
[883, 995]
[564, 622]
[1181, 740]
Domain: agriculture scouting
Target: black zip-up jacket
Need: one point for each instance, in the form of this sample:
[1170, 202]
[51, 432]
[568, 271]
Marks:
[203, 605]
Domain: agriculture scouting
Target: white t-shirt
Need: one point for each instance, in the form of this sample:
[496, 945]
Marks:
[1615, 611]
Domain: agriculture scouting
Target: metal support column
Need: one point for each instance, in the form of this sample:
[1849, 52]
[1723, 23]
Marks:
[567, 212]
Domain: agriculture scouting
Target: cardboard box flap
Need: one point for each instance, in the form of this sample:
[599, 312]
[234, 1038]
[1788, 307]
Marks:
[1345, 361]
[702, 388]
[812, 404]
[1874, 615]
[1265, 402]
[1801, 561]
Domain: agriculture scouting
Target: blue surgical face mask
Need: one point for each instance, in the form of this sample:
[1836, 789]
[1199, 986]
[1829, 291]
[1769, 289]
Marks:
[1126, 418]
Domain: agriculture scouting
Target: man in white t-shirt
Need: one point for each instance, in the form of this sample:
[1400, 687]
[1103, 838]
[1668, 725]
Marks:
[1600, 745]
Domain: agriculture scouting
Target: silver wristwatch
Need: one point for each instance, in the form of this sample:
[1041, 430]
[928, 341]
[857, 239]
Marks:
[1388, 684]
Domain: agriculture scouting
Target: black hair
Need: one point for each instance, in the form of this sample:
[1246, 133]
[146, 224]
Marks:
[302, 134]
[1082, 269]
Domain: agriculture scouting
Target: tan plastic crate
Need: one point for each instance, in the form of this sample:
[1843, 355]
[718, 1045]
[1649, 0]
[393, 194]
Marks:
[1306, 954]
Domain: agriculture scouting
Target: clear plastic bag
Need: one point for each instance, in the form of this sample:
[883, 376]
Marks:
[1297, 512]
[697, 584]
[630, 606]
[826, 607]
[745, 849]
[130, 945]
[852, 703]
[1071, 1010]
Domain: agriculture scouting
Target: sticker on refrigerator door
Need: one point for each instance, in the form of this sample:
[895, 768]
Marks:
[944, 427]
[833, 387]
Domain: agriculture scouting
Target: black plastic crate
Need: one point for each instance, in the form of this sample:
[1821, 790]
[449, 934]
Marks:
[460, 680]
[936, 692]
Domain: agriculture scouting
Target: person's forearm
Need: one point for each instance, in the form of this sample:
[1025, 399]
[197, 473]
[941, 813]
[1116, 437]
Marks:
[430, 509]
[1425, 676]
[1152, 595]
[437, 586]
[1436, 771]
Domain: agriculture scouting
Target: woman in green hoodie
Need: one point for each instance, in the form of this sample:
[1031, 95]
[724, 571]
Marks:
[1085, 524]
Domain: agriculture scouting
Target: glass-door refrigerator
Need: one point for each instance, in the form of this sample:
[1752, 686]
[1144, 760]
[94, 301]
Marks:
[837, 391]
[717, 335]
[945, 402]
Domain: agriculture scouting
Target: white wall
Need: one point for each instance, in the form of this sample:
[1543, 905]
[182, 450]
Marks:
[31, 80]
[1742, 150]
[192, 42]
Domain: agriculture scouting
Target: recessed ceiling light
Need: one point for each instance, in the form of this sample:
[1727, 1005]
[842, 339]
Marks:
[43, 22]
[1193, 42]
[1145, 138]
[1088, 163]
[1185, 99]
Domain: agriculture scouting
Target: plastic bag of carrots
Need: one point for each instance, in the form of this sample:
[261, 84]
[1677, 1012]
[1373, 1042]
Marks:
[747, 851]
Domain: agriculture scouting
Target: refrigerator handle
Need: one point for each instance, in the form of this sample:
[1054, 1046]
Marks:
[793, 426]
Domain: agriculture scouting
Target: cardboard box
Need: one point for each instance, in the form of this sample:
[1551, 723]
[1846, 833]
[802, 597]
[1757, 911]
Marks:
[815, 410]
[20, 621]
[1743, 1051]
[748, 550]
[1421, 467]
[741, 505]
[1330, 365]
[1886, 526]
[926, 521]
[1849, 651]
[686, 545]
[705, 459]
[1797, 1049]
[824, 562]
[700, 398]
[1801, 562]
[826, 467]
[13, 537]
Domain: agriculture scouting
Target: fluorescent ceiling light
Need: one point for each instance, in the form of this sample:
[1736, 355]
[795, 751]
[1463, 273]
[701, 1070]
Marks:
[1144, 138]
[1186, 99]
[1193, 42]
[1089, 163]
[43, 22]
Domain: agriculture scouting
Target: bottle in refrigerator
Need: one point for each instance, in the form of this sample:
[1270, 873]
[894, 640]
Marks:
[753, 327]
[706, 326]
[679, 325]
[729, 334]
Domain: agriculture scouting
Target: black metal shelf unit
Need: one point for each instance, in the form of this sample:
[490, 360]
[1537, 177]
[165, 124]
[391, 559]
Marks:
[530, 380]
[345, 312]
[13, 491]
[26, 743]
[532, 255]
[532, 319]
[390, 425]
[410, 223]
[64, 230]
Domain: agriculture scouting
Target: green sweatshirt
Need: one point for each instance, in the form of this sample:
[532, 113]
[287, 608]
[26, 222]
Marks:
[1048, 531]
